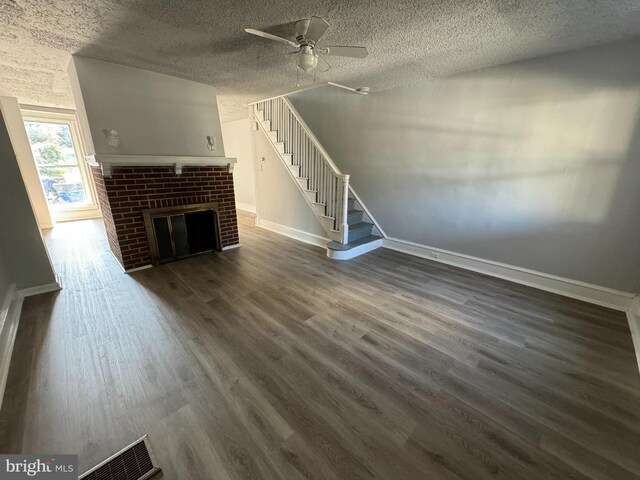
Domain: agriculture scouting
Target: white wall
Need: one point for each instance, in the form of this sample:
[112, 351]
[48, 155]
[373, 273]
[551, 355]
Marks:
[24, 257]
[534, 164]
[279, 199]
[154, 114]
[238, 144]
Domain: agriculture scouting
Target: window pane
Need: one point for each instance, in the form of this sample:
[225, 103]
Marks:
[51, 143]
[56, 162]
[62, 185]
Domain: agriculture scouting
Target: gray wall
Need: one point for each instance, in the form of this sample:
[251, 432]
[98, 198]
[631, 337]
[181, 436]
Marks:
[154, 114]
[279, 199]
[23, 257]
[534, 164]
[5, 278]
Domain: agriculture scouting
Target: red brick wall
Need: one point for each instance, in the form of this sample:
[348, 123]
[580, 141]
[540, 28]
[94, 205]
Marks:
[107, 218]
[132, 189]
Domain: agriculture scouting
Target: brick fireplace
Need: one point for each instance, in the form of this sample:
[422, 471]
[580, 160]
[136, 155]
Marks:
[127, 191]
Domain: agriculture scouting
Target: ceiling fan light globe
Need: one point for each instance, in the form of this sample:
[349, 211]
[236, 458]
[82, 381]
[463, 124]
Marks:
[307, 62]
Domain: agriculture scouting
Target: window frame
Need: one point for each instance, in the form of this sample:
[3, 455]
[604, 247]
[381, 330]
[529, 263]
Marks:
[69, 118]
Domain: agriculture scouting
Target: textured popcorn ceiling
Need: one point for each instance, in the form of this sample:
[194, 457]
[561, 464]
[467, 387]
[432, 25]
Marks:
[203, 40]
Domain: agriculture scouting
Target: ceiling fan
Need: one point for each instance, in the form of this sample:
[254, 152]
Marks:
[308, 33]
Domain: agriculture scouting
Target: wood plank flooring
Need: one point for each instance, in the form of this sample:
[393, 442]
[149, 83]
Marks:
[275, 362]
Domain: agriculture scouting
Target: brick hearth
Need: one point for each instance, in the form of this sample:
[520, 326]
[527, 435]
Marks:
[129, 190]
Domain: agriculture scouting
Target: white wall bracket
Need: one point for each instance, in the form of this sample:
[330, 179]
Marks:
[106, 170]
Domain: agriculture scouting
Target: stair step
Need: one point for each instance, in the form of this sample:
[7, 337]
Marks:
[279, 146]
[273, 134]
[295, 169]
[266, 124]
[312, 195]
[354, 216]
[360, 230]
[351, 203]
[355, 243]
[327, 222]
[319, 208]
[303, 181]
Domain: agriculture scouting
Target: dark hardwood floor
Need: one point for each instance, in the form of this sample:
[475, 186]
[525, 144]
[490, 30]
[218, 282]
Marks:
[275, 362]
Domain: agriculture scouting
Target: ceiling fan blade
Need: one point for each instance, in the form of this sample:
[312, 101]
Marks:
[353, 52]
[317, 27]
[276, 55]
[322, 66]
[270, 37]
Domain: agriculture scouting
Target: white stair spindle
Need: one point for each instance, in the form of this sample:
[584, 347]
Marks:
[345, 209]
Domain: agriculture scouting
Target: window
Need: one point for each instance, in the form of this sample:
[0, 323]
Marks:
[59, 158]
[57, 164]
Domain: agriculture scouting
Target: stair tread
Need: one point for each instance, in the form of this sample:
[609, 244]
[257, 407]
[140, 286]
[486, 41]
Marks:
[333, 245]
[353, 212]
[360, 225]
[316, 203]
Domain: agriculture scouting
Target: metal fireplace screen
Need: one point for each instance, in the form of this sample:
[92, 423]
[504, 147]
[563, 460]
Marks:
[179, 232]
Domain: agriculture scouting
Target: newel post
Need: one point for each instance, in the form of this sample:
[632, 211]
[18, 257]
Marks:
[345, 209]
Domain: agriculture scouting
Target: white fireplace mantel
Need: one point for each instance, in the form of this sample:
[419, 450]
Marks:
[107, 162]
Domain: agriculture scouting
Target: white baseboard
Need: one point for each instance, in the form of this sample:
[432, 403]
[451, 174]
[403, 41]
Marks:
[354, 252]
[633, 315]
[137, 269]
[290, 232]
[131, 270]
[9, 318]
[49, 287]
[246, 207]
[563, 286]
[117, 260]
[231, 247]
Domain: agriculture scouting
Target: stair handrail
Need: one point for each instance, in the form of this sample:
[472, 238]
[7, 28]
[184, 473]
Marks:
[314, 139]
[327, 158]
[336, 207]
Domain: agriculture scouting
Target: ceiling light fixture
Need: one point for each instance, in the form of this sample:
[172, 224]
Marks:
[307, 60]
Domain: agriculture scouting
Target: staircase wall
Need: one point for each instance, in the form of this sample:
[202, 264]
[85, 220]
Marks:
[22, 249]
[279, 202]
[532, 164]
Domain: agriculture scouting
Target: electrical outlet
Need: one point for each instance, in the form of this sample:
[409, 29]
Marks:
[434, 254]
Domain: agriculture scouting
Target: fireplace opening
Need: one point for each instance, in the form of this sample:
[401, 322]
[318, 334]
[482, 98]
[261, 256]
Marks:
[179, 232]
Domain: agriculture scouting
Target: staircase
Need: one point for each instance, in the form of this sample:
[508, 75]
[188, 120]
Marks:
[350, 228]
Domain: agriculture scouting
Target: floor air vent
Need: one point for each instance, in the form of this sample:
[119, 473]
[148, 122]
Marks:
[135, 462]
